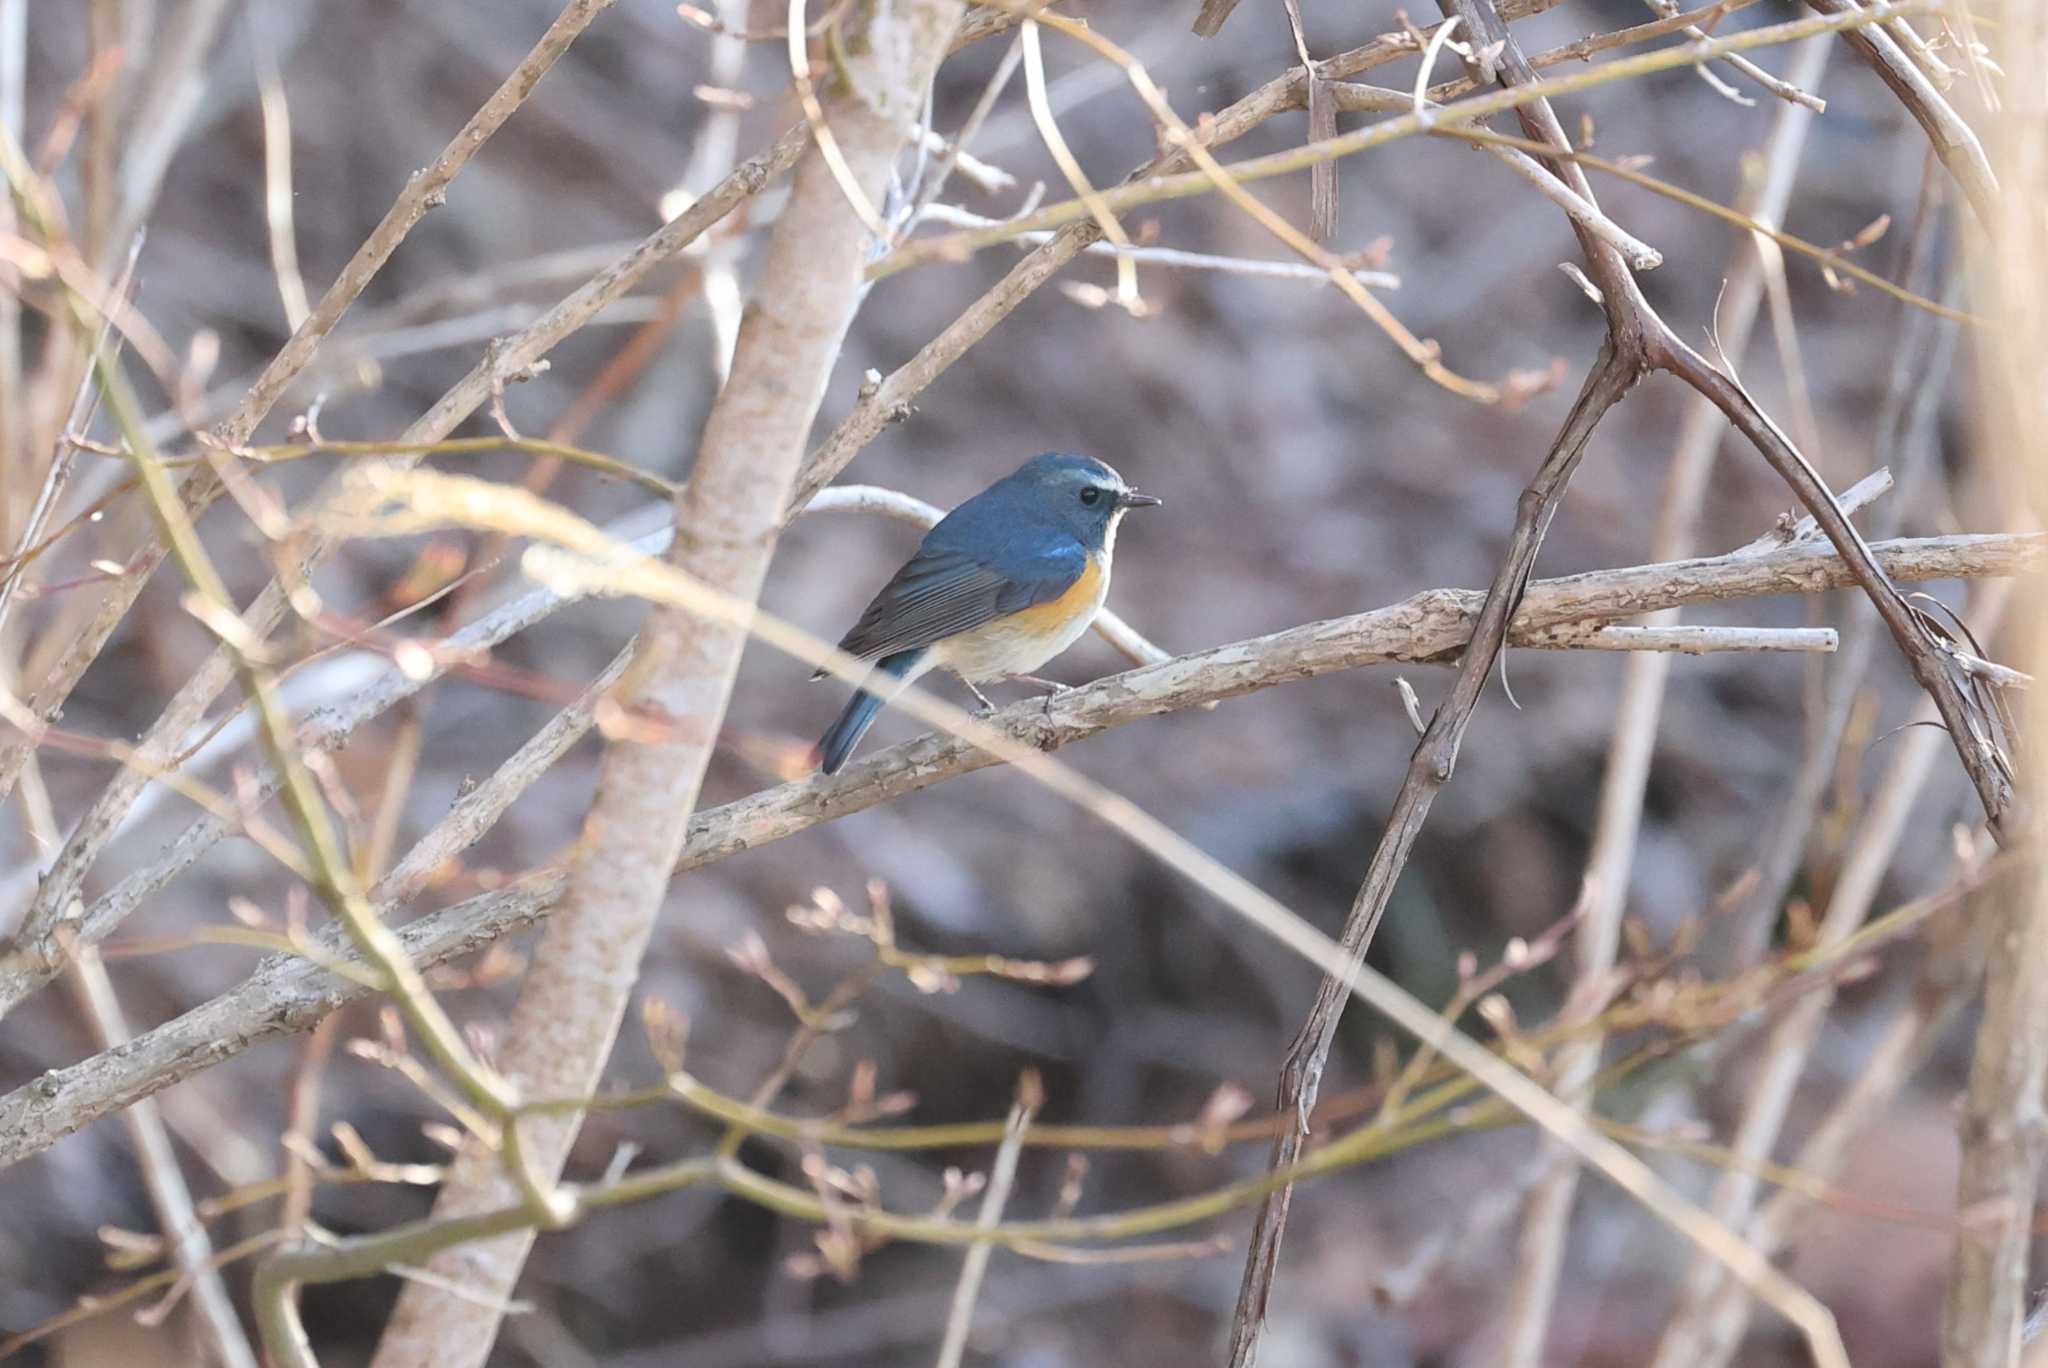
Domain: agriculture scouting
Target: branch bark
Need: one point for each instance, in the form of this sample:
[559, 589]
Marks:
[1954, 142]
[727, 521]
[286, 994]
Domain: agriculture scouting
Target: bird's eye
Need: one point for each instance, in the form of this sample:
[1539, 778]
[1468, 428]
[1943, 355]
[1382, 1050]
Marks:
[1091, 496]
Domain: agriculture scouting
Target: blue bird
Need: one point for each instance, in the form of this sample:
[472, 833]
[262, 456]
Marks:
[1001, 585]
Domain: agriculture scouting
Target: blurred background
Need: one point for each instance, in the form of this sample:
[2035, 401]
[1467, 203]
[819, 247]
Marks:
[1308, 471]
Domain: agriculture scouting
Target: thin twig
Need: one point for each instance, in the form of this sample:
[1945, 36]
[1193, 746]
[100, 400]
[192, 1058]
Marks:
[1936, 1000]
[888, 400]
[184, 1234]
[2003, 1132]
[1175, 258]
[1002, 1176]
[167, 735]
[1793, 91]
[1070, 167]
[1622, 362]
[1357, 96]
[481, 1087]
[1154, 189]
[54, 918]
[15, 426]
[163, 110]
[1953, 139]
[1784, 1056]
[277, 170]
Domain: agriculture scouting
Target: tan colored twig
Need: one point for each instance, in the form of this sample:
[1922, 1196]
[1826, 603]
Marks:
[1638, 341]
[55, 913]
[16, 466]
[1070, 167]
[1793, 91]
[576, 553]
[1625, 357]
[1677, 639]
[1351, 95]
[1936, 1001]
[277, 170]
[167, 735]
[1001, 1178]
[164, 107]
[575, 995]
[1917, 380]
[1831, 259]
[1954, 141]
[53, 920]
[2004, 1136]
[889, 399]
[1174, 258]
[1155, 188]
[288, 994]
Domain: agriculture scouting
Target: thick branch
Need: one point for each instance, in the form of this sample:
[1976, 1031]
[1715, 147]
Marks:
[727, 519]
[287, 993]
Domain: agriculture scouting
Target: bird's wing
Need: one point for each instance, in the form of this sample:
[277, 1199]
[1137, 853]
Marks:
[942, 592]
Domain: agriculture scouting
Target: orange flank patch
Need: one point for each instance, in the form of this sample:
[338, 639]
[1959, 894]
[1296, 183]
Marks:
[1049, 617]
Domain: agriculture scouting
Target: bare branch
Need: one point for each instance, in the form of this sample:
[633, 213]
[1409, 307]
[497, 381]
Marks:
[288, 994]
[1626, 777]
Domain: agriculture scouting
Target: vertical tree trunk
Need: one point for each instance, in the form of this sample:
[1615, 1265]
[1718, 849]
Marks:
[2004, 1130]
[727, 519]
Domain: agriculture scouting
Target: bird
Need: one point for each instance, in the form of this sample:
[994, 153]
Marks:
[999, 586]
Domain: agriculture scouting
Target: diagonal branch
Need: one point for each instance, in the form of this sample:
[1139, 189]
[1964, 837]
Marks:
[1638, 340]
[1622, 363]
[1952, 138]
[1625, 779]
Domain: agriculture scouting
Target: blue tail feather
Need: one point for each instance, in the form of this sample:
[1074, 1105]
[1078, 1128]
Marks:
[836, 746]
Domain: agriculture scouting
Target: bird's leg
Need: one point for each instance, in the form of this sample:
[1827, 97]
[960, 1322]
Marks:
[1053, 689]
[987, 706]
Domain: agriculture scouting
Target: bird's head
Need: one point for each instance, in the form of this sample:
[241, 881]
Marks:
[1081, 492]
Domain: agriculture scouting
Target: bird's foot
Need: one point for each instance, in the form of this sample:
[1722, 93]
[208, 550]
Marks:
[1053, 688]
[987, 705]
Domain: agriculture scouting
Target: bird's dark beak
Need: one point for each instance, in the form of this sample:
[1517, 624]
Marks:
[1131, 498]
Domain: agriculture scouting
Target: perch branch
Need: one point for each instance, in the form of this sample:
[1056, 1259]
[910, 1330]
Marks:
[287, 993]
